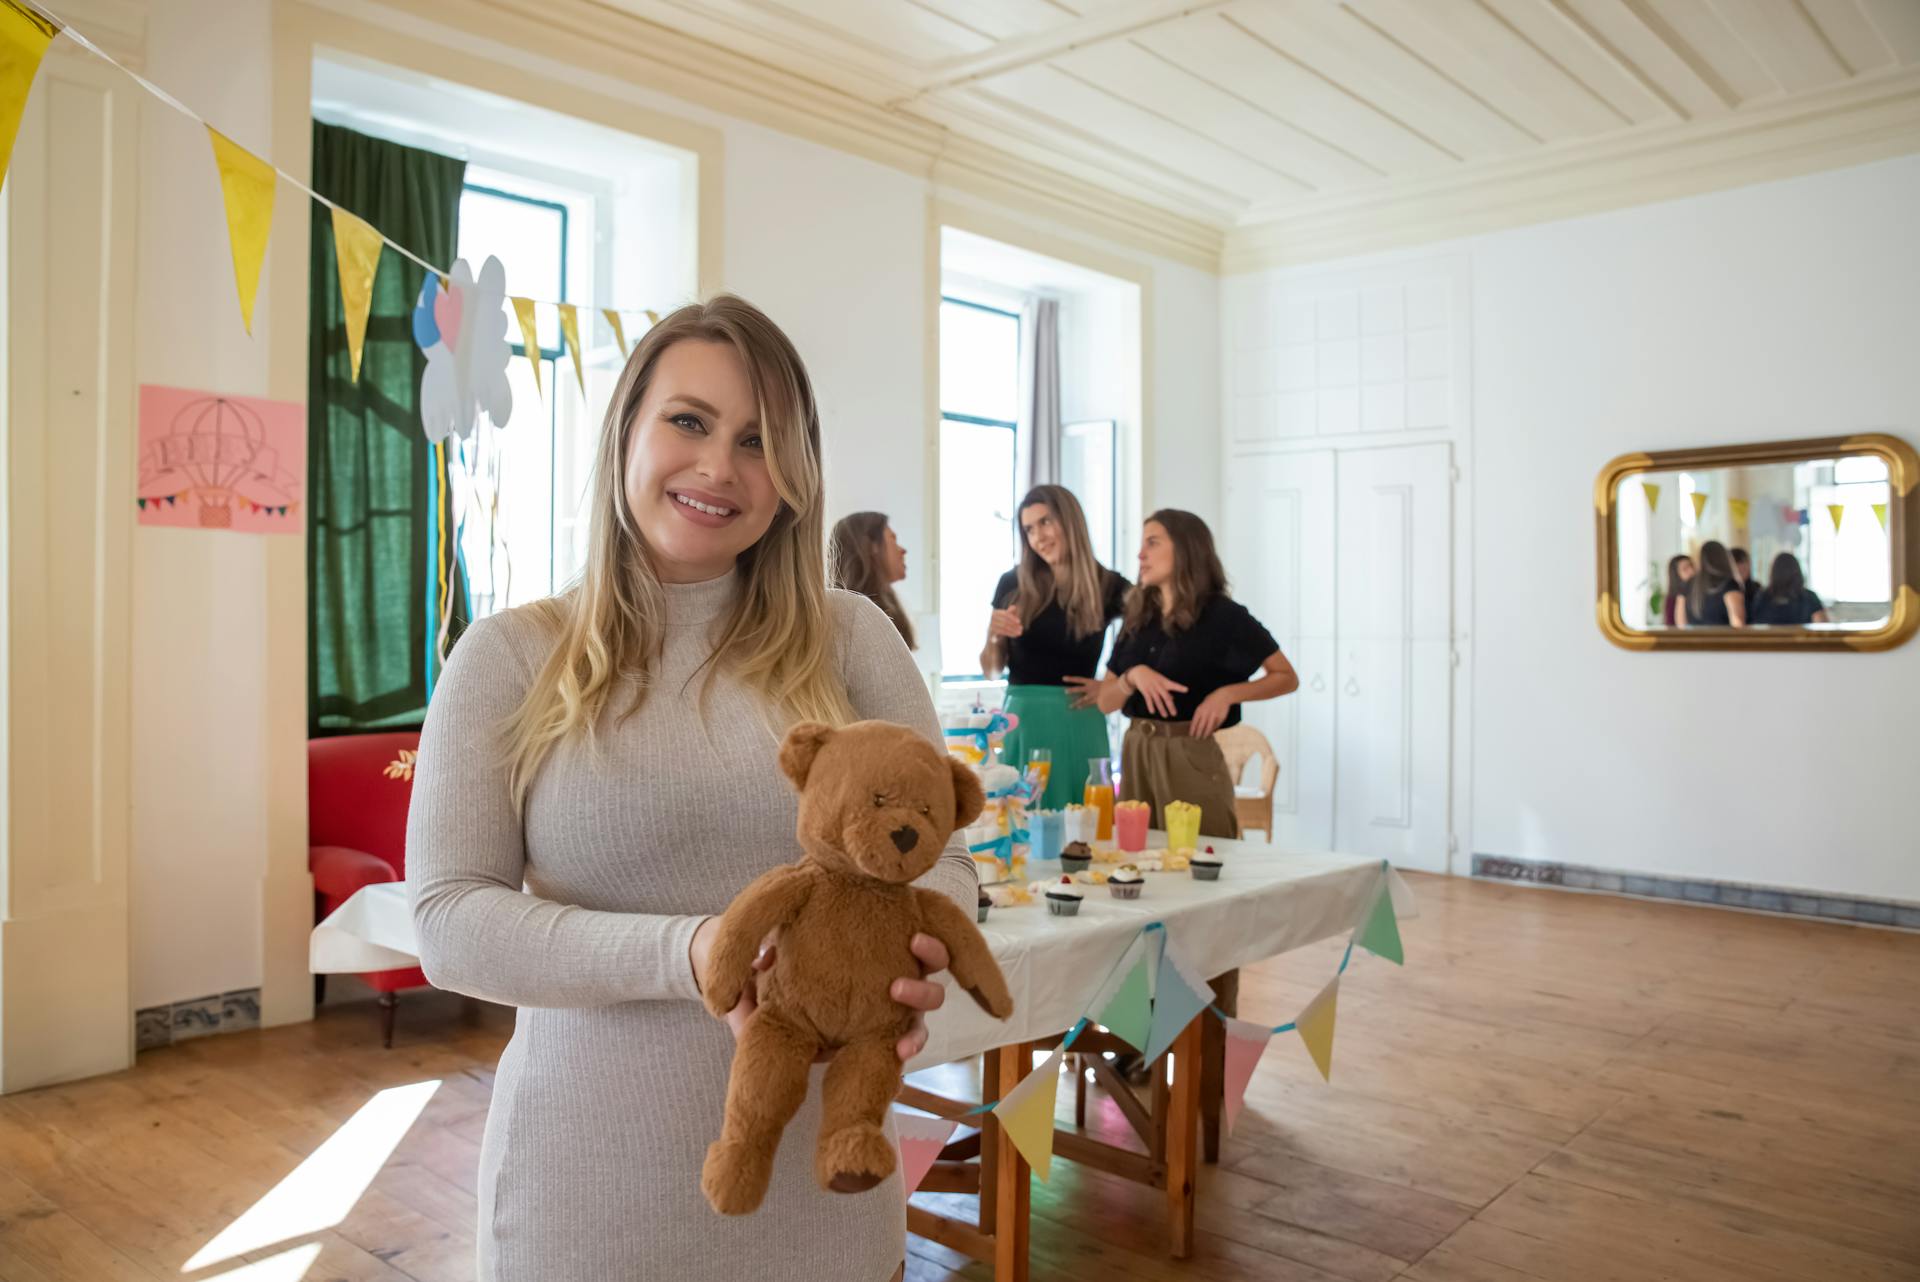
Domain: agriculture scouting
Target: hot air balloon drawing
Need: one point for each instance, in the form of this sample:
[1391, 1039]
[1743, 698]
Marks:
[220, 462]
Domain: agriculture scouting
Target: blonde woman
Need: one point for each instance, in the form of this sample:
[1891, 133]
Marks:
[868, 559]
[597, 779]
[1049, 622]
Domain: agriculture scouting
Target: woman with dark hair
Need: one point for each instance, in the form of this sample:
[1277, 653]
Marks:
[1180, 669]
[1786, 599]
[1714, 599]
[868, 559]
[1679, 574]
[1049, 622]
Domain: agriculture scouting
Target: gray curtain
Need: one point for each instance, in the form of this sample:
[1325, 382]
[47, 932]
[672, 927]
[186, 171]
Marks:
[1040, 394]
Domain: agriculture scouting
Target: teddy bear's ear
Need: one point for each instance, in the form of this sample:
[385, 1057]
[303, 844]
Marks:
[803, 744]
[968, 799]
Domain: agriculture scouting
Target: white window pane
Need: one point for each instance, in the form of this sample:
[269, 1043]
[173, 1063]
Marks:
[526, 238]
[976, 535]
[1087, 468]
[979, 362]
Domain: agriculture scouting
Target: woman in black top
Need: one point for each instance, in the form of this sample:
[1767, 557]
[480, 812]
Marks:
[1050, 616]
[1786, 600]
[1714, 600]
[1180, 670]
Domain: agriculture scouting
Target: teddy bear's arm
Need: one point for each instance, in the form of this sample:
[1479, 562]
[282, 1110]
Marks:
[968, 957]
[771, 901]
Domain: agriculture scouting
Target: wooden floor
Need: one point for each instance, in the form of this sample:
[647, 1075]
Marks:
[1556, 1086]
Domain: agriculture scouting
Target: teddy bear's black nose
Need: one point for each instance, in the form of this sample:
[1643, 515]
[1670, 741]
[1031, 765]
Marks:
[904, 839]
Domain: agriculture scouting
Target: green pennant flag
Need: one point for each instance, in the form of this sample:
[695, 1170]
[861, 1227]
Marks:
[142, 503]
[1380, 935]
[1129, 1016]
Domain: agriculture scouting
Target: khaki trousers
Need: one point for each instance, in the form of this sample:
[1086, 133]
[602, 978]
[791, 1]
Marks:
[1157, 766]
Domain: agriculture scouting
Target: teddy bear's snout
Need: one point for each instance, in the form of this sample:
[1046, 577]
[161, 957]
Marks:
[905, 839]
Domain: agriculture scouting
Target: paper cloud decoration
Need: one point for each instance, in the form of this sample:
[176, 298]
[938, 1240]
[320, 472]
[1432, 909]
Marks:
[462, 328]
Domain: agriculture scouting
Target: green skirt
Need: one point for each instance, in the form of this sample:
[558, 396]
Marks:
[1074, 736]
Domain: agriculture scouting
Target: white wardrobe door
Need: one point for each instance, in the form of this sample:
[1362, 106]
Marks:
[1280, 511]
[1394, 558]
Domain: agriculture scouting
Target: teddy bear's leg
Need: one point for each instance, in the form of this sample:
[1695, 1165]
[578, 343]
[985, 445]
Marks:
[768, 1083]
[854, 1154]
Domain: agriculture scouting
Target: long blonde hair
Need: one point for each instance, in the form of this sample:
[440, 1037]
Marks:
[859, 548]
[611, 623]
[1081, 589]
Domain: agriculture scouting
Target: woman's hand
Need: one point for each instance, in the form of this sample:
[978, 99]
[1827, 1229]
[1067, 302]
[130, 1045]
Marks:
[1210, 715]
[1005, 623]
[1082, 692]
[1155, 689]
[919, 994]
[700, 953]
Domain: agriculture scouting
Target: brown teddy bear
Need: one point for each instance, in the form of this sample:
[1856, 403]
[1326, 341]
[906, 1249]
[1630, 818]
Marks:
[877, 805]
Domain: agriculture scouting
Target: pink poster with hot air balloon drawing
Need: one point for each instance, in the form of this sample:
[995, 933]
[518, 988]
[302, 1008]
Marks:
[213, 462]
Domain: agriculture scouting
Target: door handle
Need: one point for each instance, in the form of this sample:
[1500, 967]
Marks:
[1353, 687]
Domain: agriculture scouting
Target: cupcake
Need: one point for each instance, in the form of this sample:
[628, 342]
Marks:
[986, 902]
[1075, 856]
[1205, 867]
[1126, 882]
[1063, 898]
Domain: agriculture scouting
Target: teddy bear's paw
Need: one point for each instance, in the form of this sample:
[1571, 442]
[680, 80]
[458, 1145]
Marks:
[735, 1177]
[993, 999]
[854, 1159]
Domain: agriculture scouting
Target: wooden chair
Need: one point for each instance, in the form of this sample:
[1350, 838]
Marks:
[1253, 806]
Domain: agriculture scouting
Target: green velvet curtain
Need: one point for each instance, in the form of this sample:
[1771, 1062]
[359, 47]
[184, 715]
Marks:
[381, 550]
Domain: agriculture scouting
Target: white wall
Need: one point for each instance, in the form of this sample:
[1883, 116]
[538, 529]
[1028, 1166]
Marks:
[1770, 312]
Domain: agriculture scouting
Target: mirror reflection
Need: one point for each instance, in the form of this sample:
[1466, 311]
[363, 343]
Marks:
[1776, 546]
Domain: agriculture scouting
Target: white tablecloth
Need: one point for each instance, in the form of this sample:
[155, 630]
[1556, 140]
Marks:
[1265, 903]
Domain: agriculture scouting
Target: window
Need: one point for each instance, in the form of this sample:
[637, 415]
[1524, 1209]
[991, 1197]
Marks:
[1087, 454]
[979, 406]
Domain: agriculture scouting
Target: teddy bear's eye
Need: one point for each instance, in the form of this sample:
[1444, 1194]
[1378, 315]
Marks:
[879, 799]
[925, 809]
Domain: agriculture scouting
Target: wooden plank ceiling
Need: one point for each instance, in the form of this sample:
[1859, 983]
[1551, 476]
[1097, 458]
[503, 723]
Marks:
[1240, 112]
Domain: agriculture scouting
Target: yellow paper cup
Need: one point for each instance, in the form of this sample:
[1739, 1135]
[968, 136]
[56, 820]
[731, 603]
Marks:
[1183, 824]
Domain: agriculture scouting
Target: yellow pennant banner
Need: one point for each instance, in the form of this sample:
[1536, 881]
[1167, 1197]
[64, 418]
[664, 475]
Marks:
[1836, 511]
[247, 183]
[529, 335]
[1880, 514]
[1653, 495]
[619, 330]
[1315, 1025]
[1738, 509]
[1699, 504]
[653, 318]
[570, 330]
[357, 246]
[24, 37]
[1026, 1114]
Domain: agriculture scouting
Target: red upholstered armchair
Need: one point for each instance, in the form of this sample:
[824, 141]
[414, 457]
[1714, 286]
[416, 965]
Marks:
[358, 787]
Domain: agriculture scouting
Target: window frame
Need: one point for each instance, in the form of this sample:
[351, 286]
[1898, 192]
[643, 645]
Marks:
[949, 677]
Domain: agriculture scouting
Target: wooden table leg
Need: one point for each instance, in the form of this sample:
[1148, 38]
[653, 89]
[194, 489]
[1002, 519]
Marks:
[1183, 1136]
[990, 1142]
[1012, 1178]
[1213, 1062]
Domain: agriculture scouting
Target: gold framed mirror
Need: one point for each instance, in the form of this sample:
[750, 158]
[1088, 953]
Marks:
[1792, 545]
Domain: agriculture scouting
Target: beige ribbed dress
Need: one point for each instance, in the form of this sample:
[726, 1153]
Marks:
[613, 1085]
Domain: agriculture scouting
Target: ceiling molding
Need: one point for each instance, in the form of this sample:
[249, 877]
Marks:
[1871, 120]
[1101, 24]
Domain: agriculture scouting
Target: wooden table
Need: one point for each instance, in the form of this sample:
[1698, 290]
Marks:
[1265, 903]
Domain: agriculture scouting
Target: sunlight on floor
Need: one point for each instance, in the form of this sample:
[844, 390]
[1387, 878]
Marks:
[288, 1266]
[320, 1192]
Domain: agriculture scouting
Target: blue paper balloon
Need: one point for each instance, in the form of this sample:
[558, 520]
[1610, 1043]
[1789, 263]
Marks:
[426, 330]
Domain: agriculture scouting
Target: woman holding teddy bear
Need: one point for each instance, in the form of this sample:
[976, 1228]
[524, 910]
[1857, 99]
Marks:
[598, 777]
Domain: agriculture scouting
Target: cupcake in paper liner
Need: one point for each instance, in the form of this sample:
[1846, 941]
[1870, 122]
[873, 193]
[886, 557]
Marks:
[1064, 898]
[1126, 882]
[986, 902]
[1205, 866]
[1075, 856]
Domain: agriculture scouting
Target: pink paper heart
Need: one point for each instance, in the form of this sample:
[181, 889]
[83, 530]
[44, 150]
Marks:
[446, 314]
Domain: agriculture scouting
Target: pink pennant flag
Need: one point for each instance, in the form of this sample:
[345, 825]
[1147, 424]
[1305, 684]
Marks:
[921, 1139]
[1246, 1043]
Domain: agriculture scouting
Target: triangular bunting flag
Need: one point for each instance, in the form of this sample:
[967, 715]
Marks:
[142, 503]
[1737, 508]
[24, 37]
[1837, 511]
[1653, 495]
[619, 330]
[1178, 995]
[529, 335]
[1699, 504]
[1129, 1016]
[247, 183]
[1026, 1114]
[1379, 933]
[1246, 1043]
[921, 1139]
[357, 246]
[1315, 1024]
[653, 318]
[570, 331]
[1880, 514]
